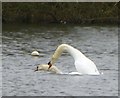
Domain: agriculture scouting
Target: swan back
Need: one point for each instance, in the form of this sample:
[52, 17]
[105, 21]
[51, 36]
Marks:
[86, 66]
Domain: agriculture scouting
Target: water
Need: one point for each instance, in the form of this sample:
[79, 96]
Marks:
[98, 43]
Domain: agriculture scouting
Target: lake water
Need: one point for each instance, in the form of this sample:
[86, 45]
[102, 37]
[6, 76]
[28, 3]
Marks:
[99, 43]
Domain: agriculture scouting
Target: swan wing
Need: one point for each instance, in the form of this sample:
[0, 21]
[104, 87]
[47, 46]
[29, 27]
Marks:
[86, 66]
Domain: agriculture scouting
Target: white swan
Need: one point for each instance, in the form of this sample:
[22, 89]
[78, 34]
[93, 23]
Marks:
[45, 67]
[35, 53]
[53, 69]
[83, 65]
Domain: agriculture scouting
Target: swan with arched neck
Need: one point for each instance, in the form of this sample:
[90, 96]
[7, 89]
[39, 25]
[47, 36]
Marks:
[82, 63]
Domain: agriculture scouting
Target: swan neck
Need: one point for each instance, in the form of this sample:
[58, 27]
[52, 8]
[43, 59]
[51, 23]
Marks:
[64, 47]
[74, 52]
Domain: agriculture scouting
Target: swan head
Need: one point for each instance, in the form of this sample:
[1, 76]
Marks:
[41, 67]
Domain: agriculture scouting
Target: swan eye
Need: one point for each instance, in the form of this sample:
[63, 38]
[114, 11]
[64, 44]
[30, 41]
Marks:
[39, 68]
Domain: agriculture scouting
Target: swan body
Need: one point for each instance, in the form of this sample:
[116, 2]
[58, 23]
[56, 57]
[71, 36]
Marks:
[82, 64]
[35, 53]
[53, 69]
[44, 67]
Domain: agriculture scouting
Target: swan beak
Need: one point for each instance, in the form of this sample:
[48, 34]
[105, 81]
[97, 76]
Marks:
[49, 63]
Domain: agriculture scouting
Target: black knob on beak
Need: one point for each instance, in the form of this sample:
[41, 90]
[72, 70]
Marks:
[49, 63]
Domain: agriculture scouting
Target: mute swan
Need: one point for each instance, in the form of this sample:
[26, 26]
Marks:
[45, 67]
[35, 53]
[53, 69]
[83, 65]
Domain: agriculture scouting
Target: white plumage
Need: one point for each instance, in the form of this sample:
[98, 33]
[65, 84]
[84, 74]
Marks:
[82, 64]
[35, 53]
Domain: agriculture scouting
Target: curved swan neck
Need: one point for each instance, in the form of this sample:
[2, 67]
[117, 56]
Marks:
[73, 52]
[57, 53]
